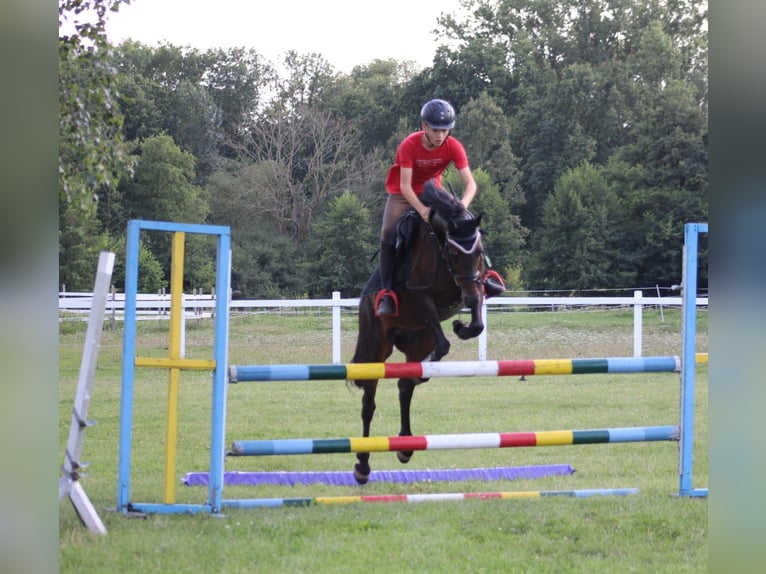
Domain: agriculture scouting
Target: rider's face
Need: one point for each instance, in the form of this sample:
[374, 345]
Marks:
[435, 137]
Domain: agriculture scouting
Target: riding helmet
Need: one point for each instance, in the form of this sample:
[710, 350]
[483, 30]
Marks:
[438, 114]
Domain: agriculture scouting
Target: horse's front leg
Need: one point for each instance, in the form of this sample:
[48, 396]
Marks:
[362, 467]
[441, 343]
[473, 300]
[406, 390]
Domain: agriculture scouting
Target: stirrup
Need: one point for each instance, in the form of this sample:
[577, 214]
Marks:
[493, 284]
[380, 300]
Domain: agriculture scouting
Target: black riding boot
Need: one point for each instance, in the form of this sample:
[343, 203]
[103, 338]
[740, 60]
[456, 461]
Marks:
[386, 299]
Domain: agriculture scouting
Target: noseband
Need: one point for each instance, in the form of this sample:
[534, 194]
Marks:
[459, 245]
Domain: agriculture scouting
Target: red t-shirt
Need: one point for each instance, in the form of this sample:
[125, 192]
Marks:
[425, 164]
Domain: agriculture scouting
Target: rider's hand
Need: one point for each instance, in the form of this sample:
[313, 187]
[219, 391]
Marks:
[426, 213]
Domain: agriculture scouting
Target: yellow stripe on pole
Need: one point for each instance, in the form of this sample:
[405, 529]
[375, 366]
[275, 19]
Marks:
[177, 363]
[337, 499]
[369, 444]
[176, 310]
[553, 367]
[526, 494]
[554, 438]
[358, 372]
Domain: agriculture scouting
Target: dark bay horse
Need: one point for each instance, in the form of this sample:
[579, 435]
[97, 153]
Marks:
[442, 273]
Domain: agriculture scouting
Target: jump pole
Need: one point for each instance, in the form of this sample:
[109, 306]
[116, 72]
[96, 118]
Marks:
[360, 371]
[430, 497]
[452, 441]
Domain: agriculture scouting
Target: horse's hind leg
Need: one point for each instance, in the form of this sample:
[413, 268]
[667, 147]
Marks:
[372, 345]
[362, 467]
[406, 390]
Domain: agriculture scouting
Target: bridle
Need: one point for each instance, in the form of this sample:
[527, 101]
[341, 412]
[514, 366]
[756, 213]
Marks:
[475, 249]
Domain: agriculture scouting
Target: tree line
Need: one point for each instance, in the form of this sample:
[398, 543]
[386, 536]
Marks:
[585, 122]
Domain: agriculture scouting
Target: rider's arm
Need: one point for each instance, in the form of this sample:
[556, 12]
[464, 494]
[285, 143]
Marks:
[469, 186]
[405, 184]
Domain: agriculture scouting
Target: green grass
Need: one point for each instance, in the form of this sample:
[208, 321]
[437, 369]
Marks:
[650, 532]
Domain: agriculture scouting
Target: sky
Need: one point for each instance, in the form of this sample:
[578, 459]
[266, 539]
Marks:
[346, 33]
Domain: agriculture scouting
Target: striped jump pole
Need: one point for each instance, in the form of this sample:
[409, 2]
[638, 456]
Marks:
[362, 371]
[431, 497]
[452, 441]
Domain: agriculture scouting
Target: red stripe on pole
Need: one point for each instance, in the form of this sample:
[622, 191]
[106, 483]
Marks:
[404, 370]
[482, 495]
[505, 368]
[384, 498]
[518, 439]
[397, 443]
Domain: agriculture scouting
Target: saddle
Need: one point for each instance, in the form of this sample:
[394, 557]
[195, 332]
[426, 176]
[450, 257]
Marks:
[406, 232]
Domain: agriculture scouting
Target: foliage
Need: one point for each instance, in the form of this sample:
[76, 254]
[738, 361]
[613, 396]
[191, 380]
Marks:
[265, 263]
[78, 253]
[341, 249]
[586, 210]
[91, 151]
[559, 103]
[300, 162]
[203, 100]
[151, 275]
[485, 131]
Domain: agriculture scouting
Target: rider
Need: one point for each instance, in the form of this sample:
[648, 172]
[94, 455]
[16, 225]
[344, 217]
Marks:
[421, 156]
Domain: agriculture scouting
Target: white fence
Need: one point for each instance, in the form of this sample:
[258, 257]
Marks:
[201, 305]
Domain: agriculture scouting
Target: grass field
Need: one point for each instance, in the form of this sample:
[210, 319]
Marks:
[652, 531]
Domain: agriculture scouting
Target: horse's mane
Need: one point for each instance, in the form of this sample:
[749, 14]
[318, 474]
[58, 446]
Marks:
[443, 202]
[452, 218]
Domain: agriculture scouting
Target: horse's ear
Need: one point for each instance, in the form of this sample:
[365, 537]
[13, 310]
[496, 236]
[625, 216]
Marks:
[438, 222]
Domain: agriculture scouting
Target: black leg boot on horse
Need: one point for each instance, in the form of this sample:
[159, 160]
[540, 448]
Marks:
[386, 302]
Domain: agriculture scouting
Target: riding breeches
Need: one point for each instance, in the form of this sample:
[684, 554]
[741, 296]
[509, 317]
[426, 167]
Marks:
[396, 206]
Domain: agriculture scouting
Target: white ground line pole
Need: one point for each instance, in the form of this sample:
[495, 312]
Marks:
[71, 469]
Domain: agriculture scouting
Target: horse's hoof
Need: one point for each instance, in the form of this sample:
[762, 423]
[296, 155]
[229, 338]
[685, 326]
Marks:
[361, 477]
[404, 457]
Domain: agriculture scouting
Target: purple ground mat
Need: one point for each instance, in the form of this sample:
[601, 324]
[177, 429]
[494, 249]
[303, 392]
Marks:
[346, 478]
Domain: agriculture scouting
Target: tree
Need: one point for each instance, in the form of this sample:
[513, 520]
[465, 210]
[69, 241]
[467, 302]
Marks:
[485, 131]
[265, 262]
[307, 78]
[91, 150]
[302, 160]
[78, 251]
[342, 249]
[237, 80]
[163, 91]
[579, 70]
[162, 190]
[370, 98]
[580, 244]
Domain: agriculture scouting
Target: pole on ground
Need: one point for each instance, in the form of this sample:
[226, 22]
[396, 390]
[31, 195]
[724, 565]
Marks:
[71, 470]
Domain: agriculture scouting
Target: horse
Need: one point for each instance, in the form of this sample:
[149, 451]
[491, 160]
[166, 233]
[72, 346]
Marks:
[443, 271]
